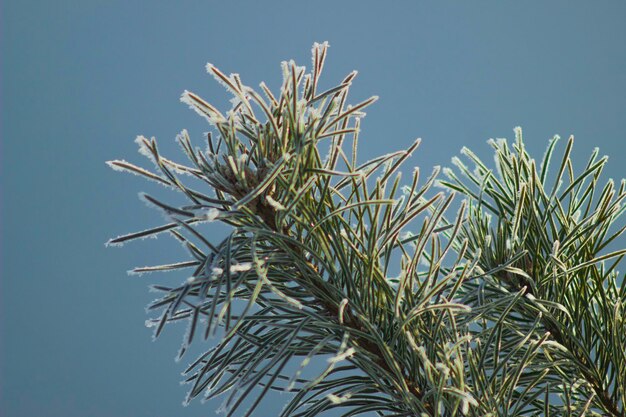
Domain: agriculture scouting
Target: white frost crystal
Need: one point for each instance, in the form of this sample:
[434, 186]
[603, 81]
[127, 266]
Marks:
[242, 267]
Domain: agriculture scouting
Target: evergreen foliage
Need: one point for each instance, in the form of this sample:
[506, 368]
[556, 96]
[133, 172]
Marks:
[511, 307]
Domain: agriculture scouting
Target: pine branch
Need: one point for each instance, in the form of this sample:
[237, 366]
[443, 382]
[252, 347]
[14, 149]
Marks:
[309, 255]
[480, 320]
[556, 237]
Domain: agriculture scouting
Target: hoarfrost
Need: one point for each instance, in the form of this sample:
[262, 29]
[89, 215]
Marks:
[448, 172]
[456, 161]
[133, 272]
[315, 113]
[143, 148]
[342, 356]
[115, 167]
[479, 172]
[213, 117]
[276, 204]
[219, 76]
[234, 102]
[211, 214]
[442, 368]
[338, 400]
[399, 202]
[318, 48]
[111, 243]
[124, 166]
[408, 235]
[468, 400]
[342, 307]
[242, 267]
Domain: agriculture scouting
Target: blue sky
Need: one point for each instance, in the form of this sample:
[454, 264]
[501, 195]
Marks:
[81, 79]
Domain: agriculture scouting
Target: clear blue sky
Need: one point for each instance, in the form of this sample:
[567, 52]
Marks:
[80, 79]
